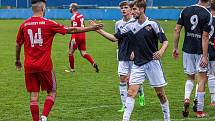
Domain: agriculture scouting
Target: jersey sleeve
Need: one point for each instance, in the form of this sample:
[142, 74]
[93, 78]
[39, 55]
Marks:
[58, 28]
[120, 34]
[159, 32]
[181, 18]
[20, 36]
[116, 27]
[207, 23]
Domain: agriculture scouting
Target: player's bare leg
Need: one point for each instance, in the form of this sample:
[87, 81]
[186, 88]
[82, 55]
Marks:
[141, 97]
[164, 102]
[34, 107]
[211, 86]
[87, 56]
[188, 90]
[130, 100]
[71, 56]
[202, 77]
[49, 102]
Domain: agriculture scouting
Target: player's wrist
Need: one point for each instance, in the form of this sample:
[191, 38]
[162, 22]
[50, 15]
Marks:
[18, 63]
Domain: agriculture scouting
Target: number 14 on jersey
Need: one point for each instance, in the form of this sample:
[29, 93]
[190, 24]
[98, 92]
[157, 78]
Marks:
[36, 38]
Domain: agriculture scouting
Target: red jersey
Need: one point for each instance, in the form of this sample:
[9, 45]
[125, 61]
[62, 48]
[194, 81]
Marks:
[78, 21]
[37, 34]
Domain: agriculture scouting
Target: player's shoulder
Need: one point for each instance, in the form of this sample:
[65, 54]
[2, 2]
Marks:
[197, 8]
[50, 22]
[155, 24]
[129, 25]
[118, 22]
[152, 22]
[79, 15]
[130, 22]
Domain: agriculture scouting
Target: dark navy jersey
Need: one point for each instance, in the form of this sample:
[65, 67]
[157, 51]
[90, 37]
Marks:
[211, 47]
[124, 49]
[195, 20]
[144, 39]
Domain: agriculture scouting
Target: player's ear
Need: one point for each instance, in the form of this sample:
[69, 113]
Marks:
[141, 9]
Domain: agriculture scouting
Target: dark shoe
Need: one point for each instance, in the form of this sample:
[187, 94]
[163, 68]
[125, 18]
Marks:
[186, 108]
[96, 67]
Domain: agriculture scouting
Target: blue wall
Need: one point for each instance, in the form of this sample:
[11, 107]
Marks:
[101, 14]
[23, 3]
[173, 2]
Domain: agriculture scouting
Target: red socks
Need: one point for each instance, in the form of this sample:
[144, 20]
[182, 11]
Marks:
[89, 58]
[71, 61]
[34, 110]
[48, 105]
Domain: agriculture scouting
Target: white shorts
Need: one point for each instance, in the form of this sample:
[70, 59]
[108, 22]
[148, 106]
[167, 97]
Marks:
[211, 68]
[124, 67]
[151, 71]
[191, 64]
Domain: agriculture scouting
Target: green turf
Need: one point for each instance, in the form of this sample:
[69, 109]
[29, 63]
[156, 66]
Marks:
[86, 95]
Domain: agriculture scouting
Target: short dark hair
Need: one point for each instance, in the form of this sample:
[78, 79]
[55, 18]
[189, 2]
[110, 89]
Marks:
[205, 1]
[123, 3]
[213, 5]
[35, 1]
[139, 4]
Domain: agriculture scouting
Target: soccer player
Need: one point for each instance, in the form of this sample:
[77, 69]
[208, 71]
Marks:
[143, 35]
[37, 34]
[78, 40]
[124, 53]
[196, 20]
[125, 64]
[211, 63]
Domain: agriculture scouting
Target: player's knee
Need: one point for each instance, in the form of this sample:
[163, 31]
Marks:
[83, 53]
[123, 78]
[162, 97]
[191, 77]
[52, 93]
[71, 51]
[34, 96]
[132, 93]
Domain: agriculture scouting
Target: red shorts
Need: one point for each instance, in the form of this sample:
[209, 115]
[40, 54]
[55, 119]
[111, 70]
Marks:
[46, 80]
[79, 43]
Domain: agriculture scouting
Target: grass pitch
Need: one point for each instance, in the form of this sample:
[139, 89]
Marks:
[86, 95]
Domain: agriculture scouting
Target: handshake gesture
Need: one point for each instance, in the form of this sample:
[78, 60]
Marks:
[98, 26]
[95, 26]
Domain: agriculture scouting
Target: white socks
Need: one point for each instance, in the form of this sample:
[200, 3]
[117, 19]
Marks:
[197, 86]
[129, 106]
[200, 99]
[140, 91]
[123, 92]
[43, 118]
[211, 86]
[188, 89]
[166, 112]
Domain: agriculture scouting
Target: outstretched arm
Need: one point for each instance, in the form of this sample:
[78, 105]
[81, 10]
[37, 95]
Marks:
[175, 52]
[73, 30]
[107, 35]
